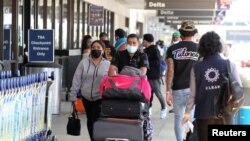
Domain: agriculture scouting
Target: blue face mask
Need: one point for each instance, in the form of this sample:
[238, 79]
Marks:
[131, 49]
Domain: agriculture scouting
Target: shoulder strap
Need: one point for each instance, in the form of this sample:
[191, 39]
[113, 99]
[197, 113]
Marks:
[228, 66]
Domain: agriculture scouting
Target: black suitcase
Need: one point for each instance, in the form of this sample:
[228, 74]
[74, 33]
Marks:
[118, 108]
[121, 129]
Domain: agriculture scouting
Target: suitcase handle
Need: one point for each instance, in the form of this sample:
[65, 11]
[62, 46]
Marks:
[116, 139]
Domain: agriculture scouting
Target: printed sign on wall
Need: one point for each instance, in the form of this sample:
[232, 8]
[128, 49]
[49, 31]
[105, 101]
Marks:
[41, 46]
[96, 15]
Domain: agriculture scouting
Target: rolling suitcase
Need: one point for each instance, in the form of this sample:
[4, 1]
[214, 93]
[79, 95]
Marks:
[118, 108]
[114, 128]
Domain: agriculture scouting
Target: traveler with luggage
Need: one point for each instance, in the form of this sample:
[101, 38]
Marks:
[126, 94]
[87, 78]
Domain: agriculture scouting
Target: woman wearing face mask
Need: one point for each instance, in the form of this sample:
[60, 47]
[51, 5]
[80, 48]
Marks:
[87, 78]
[86, 43]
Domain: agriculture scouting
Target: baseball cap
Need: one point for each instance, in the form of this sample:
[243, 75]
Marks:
[188, 26]
[177, 34]
[160, 42]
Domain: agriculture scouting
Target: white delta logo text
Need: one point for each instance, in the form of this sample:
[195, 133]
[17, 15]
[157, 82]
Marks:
[156, 4]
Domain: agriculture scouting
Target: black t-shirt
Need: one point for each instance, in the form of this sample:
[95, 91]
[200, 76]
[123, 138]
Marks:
[109, 51]
[184, 55]
[122, 59]
[154, 58]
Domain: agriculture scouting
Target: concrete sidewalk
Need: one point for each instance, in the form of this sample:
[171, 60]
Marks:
[163, 128]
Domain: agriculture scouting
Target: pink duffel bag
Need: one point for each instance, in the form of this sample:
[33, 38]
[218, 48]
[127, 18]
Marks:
[125, 87]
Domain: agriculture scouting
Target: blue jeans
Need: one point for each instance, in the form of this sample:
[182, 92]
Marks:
[180, 98]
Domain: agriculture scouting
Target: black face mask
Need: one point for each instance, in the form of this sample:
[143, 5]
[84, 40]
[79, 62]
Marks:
[96, 53]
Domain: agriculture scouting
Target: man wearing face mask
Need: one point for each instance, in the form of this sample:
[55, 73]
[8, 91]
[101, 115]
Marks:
[129, 57]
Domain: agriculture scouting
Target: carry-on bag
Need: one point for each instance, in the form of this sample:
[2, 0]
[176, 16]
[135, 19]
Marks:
[120, 108]
[79, 105]
[131, 130]
[126, 87]
[74, 123]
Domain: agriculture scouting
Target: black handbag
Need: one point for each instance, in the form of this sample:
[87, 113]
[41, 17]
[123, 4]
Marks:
[74, 123]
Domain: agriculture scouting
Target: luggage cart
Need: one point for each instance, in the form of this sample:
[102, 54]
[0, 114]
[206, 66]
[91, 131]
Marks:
[129, 121]
[24, 107]
[48, 136]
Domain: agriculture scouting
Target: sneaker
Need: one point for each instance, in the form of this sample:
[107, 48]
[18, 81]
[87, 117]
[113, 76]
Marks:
[150, 111]
[163, 113]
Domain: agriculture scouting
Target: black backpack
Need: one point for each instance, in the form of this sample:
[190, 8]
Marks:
[232, 95]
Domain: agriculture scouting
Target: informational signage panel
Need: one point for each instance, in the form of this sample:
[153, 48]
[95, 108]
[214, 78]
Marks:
[7, 44]
[238, 35]
[180, 5]
[96, 15]
[188, 18]
[187, 13]
[41, 46]
[155, 4]
[196, 22]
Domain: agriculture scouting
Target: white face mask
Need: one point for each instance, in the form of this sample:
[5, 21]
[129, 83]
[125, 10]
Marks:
[132, 49]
